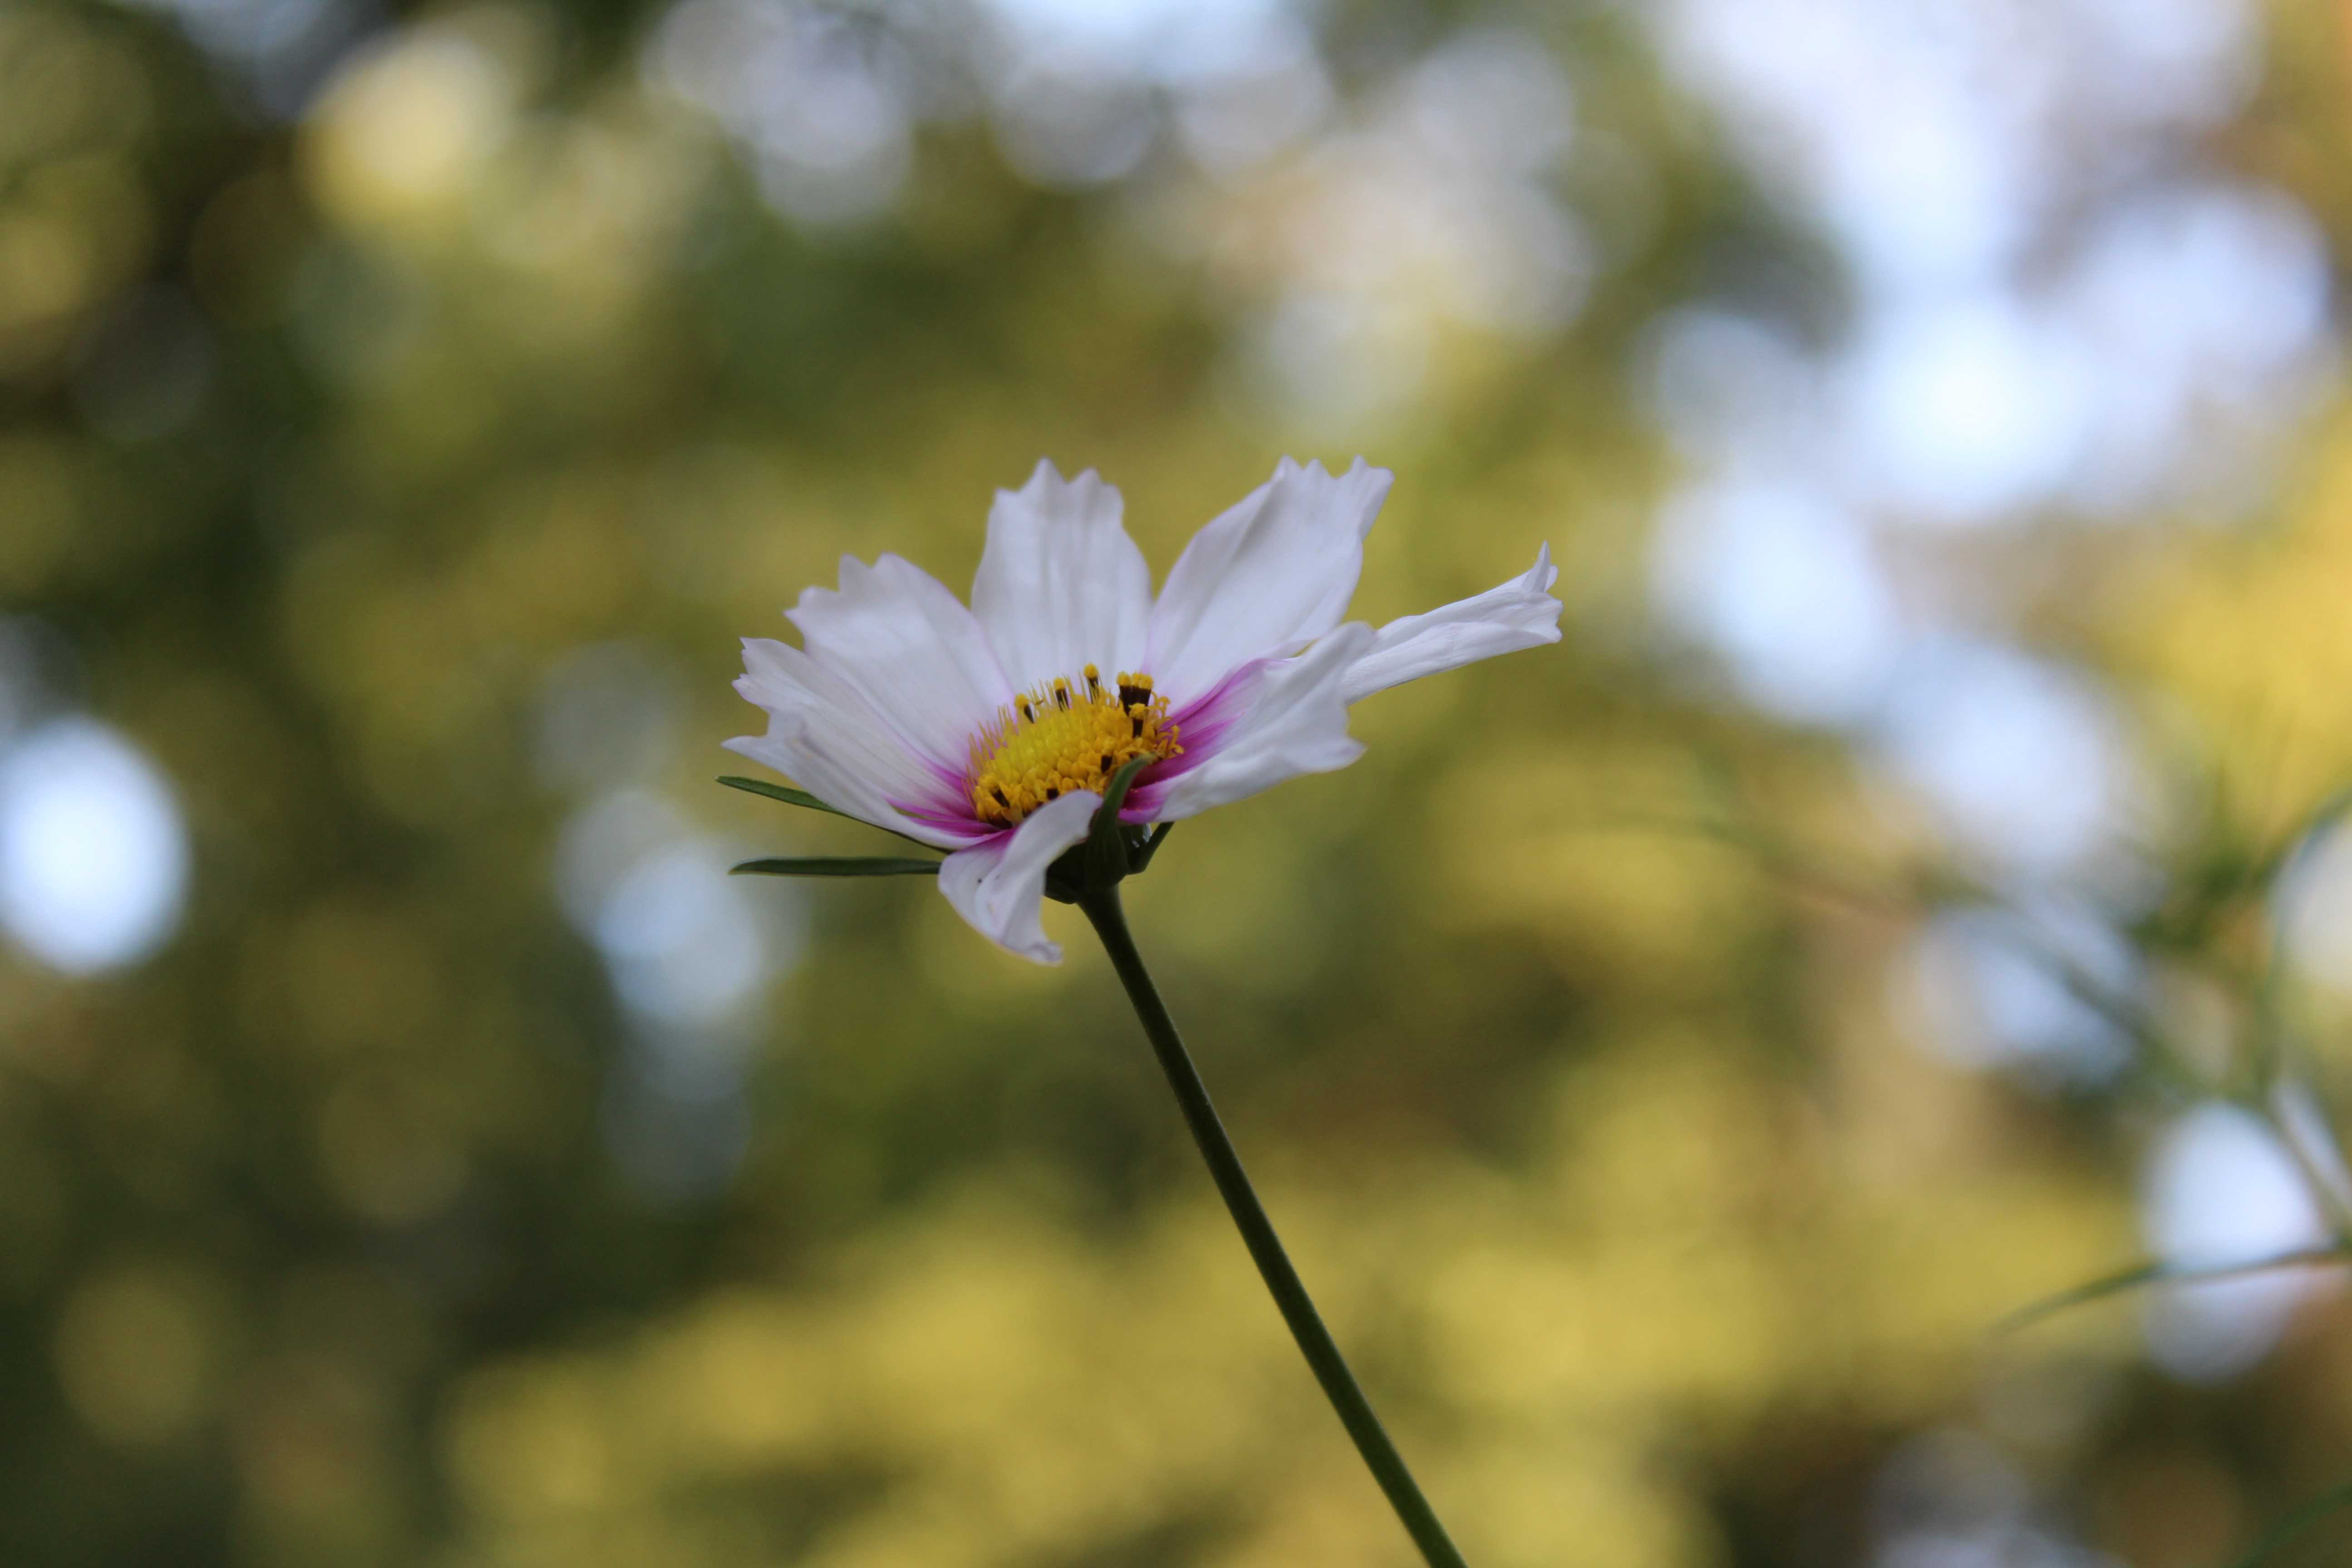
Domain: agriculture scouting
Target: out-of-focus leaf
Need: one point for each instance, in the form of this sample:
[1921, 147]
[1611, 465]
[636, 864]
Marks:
[2165, 1274]
[2288, 1530]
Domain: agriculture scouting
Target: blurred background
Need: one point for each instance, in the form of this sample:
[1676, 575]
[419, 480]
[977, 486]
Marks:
[1909, 890]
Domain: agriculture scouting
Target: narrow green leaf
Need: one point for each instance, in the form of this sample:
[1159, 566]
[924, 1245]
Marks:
[2285, 1532]
[784, 792]
[791, 797]
[2164, 1274]
[838, 865]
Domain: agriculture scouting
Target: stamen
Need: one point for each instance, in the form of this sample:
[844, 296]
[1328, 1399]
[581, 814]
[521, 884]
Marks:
[1058, 738]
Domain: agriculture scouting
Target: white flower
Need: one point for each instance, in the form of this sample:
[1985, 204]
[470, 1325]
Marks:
[990, 731]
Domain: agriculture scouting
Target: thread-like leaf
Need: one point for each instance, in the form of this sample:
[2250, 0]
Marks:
[838, 865]
[791, 797]
[784, 792]
[2165, 1274]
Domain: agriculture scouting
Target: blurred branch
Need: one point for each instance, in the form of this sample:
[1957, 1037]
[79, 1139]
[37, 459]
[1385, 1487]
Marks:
[1776, 856]
[2273, 1041]
[1938, 888]
[2158, 1051]
[2267, 872]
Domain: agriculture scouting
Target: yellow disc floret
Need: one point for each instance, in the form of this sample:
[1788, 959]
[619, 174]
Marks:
[1063, 736]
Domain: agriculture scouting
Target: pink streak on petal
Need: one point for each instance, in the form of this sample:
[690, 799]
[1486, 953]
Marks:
[1201, 726]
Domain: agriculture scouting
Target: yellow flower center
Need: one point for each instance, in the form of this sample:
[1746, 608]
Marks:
[1065, 736]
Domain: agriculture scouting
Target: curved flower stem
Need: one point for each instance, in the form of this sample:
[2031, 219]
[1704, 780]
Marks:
[1102, 907]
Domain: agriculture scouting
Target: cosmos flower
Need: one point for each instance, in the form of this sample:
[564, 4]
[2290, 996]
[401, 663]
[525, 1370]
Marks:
[990, 731]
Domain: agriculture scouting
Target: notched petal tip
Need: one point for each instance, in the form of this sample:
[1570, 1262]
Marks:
[1360, 491]
[1060, 585]
[1522, 613]
[850, 577]
[1269, 574]
[1046, 477]
[1543, 573]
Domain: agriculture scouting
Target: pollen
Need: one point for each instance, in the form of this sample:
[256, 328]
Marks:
[1066, 735]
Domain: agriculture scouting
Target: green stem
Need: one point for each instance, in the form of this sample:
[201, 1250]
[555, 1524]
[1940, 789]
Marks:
[1315, 1342]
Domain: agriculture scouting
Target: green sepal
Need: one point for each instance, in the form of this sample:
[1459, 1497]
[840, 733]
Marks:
[1112, 849]
[838, 865]
[1149, 846]
[1107, 849]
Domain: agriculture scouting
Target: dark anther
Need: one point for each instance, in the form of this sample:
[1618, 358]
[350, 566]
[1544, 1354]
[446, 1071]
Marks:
[1106, 762]
[1129, 694]
[1061, 697]
[1027, 711]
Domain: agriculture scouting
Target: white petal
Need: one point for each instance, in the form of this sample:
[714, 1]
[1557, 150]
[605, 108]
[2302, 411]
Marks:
[1060, 585]
[784, 679]
[823, 736]
[910, 650]
[1296, 722]
[1521, 613]
[999, 886]
[1268, 576]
